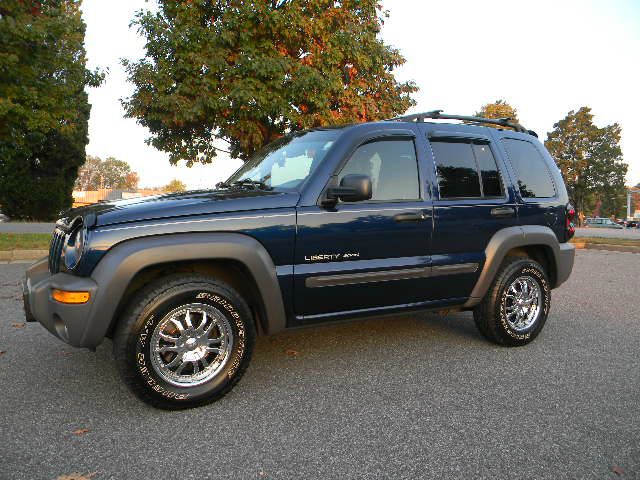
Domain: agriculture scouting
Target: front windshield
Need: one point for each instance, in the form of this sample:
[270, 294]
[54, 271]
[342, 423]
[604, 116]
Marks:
[287, 162]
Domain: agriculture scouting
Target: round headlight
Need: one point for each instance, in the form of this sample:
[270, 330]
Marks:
[74, 246]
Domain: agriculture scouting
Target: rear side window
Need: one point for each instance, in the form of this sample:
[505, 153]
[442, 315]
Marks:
[466, 170]
[534, 178]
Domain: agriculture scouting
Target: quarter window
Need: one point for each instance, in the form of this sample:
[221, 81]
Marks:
[392, 167]
[466, 170]
[534, 178]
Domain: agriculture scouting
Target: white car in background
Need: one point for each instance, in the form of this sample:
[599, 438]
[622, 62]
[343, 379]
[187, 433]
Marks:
[600, 222]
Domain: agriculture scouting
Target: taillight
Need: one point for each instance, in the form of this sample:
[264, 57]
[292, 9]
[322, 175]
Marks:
[570, 227]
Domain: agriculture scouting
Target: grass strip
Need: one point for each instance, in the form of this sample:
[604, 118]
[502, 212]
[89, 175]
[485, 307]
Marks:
[607, 241]
[24, 241]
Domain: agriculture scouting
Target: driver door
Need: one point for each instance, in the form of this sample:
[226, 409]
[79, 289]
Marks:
[368, 255]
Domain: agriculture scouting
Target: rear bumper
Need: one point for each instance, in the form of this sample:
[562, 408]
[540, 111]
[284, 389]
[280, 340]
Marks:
[564, 262]
[67, 322]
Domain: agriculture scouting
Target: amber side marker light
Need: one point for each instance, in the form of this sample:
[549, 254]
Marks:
[63, 296]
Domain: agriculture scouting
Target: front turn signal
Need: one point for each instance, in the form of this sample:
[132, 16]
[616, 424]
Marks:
[64, 296]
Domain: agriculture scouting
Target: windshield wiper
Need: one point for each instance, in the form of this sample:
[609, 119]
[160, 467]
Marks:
[223, 185]
[253, 184]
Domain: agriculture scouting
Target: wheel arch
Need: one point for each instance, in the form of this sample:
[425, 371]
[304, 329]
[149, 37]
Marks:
[535, 241]
[239, 258]
[231, 271]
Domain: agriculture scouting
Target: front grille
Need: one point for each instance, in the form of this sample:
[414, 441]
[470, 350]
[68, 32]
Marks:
[55, 250]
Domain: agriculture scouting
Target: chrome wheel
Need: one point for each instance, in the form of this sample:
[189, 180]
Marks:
[523, 303]
[191, 345]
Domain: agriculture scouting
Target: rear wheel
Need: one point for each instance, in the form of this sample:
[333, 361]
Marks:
[515, 309]
[184, 341]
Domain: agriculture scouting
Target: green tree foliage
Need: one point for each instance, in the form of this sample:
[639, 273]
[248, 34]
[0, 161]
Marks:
[116, 174]
[110, 173]
[174, 186]
[250, 71]
[498, 109]
[591, 162]
[44, 109]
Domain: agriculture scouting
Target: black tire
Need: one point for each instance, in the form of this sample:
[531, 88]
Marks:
[490, 315]
[139, 326]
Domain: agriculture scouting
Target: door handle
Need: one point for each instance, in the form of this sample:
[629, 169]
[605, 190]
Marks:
[411, 217]
[503, 212]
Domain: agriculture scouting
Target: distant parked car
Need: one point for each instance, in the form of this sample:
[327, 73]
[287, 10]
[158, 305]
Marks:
[3, 218]
[599, 222]
[630, 223]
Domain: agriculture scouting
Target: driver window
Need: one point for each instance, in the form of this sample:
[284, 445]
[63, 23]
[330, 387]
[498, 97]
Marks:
[392, 167]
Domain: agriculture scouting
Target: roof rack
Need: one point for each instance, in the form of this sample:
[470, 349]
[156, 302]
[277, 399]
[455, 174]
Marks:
[438, 115]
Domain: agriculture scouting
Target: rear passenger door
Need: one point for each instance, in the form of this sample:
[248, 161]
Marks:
[472, 201]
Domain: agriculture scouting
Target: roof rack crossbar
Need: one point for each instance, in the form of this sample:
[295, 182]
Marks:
[438, 115]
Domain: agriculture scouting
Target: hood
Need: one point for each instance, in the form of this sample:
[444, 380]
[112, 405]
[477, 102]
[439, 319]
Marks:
[181, 204]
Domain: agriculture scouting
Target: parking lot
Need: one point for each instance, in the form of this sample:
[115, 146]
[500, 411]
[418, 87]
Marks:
[628, 233]
[412, 396]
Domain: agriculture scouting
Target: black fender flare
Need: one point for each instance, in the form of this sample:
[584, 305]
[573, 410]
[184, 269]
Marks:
[122, 262]
[522, 236]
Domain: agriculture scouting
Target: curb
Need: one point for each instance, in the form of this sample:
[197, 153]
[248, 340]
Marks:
[16, 255]
[607, 247]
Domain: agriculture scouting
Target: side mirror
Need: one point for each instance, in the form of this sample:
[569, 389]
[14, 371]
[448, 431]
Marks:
[353, 188]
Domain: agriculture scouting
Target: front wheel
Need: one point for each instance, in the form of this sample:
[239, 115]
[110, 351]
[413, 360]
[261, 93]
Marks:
[184, 341]
[516, 306]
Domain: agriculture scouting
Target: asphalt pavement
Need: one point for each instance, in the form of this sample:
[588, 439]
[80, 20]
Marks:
[411, 396]
[26, 227]
[630, 233]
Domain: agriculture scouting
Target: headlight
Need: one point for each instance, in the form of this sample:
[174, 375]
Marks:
[73, 246]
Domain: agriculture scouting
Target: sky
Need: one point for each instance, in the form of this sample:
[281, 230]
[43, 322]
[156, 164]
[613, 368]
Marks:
[545, 58]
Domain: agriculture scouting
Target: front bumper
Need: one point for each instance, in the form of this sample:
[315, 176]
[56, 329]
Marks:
[67, 322]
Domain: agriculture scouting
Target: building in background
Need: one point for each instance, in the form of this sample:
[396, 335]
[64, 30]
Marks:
[89, 197]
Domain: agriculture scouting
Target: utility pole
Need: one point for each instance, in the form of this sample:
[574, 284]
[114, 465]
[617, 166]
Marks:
[630, 192]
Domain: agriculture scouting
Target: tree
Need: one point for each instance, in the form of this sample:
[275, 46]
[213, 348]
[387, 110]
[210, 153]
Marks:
[110, 173]
[44, 108]
[115, 173]
[248, 72]
[131, 181]
[498, 109]
[89, 174]
[174, 186]
[591, 162]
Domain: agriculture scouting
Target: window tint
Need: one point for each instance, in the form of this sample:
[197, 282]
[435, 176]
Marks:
[392, 167]
[457, 171]
[534, 179]
[466, 170]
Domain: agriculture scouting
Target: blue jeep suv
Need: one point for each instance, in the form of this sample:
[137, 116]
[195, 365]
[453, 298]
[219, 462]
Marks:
[322, 225]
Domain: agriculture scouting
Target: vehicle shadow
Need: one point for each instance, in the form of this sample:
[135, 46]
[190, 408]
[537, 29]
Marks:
[326, 353]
